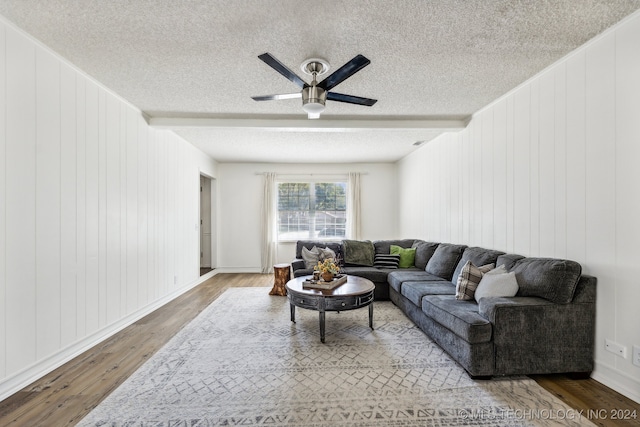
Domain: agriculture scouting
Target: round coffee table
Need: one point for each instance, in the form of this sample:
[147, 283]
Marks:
[357, 292]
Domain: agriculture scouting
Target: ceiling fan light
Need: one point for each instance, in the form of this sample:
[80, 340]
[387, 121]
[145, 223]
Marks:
[313, 107]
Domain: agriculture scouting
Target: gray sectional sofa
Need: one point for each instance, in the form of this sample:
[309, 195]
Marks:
[547, 327]
[376, 275]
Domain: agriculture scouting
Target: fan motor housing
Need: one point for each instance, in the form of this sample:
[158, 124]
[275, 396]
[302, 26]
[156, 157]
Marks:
[313, 99]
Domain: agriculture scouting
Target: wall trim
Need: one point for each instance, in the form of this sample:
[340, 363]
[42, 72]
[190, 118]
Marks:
[44, 366]
[239, 269]
[617, 381]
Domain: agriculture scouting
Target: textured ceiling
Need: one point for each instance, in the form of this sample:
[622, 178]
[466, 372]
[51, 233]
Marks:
[440, 59]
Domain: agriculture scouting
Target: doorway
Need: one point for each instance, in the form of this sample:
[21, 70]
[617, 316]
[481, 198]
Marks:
[207, 252]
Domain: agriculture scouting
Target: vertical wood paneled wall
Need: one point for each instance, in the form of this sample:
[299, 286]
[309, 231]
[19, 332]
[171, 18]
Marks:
[551, 170]
[98, 212]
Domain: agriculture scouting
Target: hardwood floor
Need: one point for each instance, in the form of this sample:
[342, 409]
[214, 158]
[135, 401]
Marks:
[67, 394]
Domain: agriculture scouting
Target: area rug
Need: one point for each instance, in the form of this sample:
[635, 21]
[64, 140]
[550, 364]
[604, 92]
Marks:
[242, 362]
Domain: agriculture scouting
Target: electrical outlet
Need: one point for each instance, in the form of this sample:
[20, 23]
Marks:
[636, 355]
[615, 348]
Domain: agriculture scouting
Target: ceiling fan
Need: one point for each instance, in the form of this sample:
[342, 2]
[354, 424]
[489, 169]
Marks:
[315, 94]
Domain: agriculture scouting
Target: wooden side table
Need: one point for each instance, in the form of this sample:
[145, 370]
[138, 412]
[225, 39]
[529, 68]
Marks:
[282, 274]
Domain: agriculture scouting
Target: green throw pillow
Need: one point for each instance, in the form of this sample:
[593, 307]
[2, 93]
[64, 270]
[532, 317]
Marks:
[358, 252]
[407, 256]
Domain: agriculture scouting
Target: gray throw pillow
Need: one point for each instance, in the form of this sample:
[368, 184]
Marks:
[358, 252]
[424, 252]
[326, 253]
[445, 260]
[310, 257]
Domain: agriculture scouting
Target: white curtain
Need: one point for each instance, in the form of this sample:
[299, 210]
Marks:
[353, 206]
[269, 222]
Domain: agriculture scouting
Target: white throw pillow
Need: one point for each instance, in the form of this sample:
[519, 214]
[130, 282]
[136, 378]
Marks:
[497, 285]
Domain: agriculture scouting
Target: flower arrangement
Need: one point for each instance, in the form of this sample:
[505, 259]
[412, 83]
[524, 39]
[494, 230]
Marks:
[327, 266]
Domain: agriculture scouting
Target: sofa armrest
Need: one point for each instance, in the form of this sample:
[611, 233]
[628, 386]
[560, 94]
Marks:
[534, 335]
[490, 307]
[297, 264]
[586, 290]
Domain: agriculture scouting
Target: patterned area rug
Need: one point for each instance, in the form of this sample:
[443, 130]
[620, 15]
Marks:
[242, 362]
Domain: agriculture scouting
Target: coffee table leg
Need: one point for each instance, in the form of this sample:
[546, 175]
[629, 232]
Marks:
[371, 316]
[321, 307]
[322, 326]
[293, 313]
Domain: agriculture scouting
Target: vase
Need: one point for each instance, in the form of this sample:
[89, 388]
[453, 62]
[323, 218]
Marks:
[327, 276]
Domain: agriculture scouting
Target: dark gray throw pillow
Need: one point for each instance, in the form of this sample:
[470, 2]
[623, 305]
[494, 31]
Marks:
[548, 278]
[424, 252]
[444, 260]
[358, 252]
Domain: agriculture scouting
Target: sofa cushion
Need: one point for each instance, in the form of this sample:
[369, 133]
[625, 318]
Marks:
[460, 317]
[444, 260]
[407, 255]
[309, 244]
[378, 275]
[396, 278]
[548, 278]
[424, 252]
[414, 291]
[497, 285]
[303, 272]
[358, 252]
[508, 260]
[390, 261]
[469, 279]
[384, 246]
[478, 256]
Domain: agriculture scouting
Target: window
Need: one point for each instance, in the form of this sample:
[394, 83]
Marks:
[312, 210]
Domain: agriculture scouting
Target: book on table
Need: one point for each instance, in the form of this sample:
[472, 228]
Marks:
[321, 284]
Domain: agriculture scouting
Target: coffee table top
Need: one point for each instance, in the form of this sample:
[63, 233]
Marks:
[354, 286]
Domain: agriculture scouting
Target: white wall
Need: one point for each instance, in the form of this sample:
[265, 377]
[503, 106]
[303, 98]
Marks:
[98, 212]
[550, 169]
[240, 197]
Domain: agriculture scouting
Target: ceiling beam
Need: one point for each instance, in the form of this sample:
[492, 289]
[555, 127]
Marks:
[302, 125]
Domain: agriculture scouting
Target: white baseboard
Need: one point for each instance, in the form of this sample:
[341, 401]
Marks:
[239, 270]
[22, 379]
[208, 276]
[617, 381]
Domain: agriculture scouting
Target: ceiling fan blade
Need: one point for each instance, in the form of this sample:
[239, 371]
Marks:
[344, 72]
[350, 99]
[282, 69]
[277, 97]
